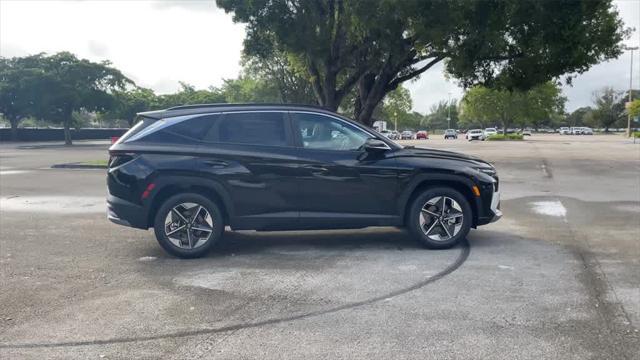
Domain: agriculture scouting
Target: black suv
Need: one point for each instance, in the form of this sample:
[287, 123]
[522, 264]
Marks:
[189, 171]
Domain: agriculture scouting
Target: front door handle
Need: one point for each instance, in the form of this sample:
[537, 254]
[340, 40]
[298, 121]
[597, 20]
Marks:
[315, 168]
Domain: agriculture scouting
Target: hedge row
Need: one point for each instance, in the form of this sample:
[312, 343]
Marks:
[507, 137]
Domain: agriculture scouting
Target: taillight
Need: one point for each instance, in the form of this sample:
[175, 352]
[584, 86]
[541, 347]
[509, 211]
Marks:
[147, 191]
[117, 159]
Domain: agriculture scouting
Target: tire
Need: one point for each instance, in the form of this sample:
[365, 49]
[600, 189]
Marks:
[418, 225]
[198, 243]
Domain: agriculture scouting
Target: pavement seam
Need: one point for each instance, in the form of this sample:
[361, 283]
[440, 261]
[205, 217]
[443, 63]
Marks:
[592, 268]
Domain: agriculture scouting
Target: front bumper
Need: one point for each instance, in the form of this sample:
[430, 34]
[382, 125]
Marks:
[492, 214]
[495, 207]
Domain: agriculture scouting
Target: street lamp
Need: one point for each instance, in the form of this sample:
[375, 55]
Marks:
[449, 116]
[630, 48]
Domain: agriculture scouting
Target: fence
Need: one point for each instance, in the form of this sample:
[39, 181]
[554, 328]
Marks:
[57, 134]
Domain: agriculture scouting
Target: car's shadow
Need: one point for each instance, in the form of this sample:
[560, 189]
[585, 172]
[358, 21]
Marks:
[257, 242]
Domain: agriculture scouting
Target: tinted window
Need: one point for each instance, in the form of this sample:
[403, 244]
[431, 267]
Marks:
[258, 128]
[138, 127]
[184, 132]
[326, 133]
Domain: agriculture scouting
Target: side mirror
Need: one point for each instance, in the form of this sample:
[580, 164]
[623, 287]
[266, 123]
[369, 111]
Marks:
[375, 145]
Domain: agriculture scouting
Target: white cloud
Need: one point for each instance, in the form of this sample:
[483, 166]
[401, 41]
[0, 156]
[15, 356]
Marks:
[158, 43]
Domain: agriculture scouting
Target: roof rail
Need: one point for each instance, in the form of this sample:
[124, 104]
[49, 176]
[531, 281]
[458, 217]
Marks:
[197, 106]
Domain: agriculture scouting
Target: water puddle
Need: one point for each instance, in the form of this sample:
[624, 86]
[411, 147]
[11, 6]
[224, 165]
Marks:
[54, 204]
[12, 172]
[550, 208]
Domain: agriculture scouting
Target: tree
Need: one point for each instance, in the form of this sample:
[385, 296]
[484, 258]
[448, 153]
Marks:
[580, 117]
[65, 84]
[485, 106]
[377, 45]
[437, 117]
[397, 107]
[633, 108]
[609, 108]
[277, 72]
[188, 95]
[129, 103]
[19, 89]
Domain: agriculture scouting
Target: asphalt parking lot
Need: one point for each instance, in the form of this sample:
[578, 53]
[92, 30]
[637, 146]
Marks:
[557, 278]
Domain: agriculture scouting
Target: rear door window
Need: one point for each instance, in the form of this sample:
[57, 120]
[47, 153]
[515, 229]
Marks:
[256, 128]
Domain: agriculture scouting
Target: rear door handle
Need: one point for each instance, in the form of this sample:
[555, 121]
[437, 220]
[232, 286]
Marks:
[218, 164]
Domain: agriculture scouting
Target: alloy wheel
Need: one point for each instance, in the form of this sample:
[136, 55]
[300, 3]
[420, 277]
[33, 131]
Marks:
[188, 225]
[441, 218]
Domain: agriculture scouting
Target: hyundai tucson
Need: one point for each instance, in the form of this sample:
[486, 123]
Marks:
[190, 171]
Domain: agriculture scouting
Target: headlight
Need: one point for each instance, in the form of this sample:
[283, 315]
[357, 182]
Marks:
[488, 171]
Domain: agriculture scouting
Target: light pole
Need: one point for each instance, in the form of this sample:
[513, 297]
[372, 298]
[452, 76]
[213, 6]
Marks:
[395, 119]
[630, 88]
[449, 115]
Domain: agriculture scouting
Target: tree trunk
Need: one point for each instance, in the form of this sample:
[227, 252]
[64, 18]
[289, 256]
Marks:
[371, 90]
[14, 129]
[67, 131]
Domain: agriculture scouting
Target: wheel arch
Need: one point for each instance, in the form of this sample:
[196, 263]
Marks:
[211, 189]
[459, 183]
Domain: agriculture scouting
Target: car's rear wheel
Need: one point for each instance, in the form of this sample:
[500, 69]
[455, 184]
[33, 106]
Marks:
[440, 218]
[187, 225]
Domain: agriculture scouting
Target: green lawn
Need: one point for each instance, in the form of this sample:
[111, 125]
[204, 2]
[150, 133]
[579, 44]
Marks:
[95, 162]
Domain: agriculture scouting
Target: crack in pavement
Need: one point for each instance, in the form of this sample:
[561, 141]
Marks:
[465, 250]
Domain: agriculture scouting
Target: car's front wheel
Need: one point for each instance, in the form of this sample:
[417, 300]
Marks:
[440, 218]
[187, 225]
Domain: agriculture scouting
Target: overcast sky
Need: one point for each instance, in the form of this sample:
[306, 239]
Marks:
[158, 43]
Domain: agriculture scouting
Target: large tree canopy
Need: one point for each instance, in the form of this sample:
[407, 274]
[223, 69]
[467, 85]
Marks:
[53, 87]
[373, 46]
[483, 106]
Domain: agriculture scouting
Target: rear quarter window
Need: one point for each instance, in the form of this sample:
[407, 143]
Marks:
[188, 131]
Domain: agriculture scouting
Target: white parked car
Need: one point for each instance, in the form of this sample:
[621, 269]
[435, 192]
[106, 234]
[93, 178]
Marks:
[475, 134]
[490, 131]
[386, 133]
[576, 131]
[565, 131]
[407, 135]
[587, 131]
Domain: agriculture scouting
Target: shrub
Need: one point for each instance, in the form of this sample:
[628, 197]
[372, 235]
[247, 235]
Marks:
[636, 134]
[507, 137]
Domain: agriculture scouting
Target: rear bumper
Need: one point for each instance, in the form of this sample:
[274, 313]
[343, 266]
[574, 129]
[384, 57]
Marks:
[125, 213]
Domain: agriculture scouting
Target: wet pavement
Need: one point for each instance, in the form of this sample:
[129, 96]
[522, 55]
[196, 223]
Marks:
[557, 277]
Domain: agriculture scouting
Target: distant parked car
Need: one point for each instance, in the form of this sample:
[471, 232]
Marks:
[386, 133]
[450, 134]
[407, 135]
[564, 131]
[526, 132]
[490, 131]
[422, 135]
[394, 135]
[475, 134]
[587, 131]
